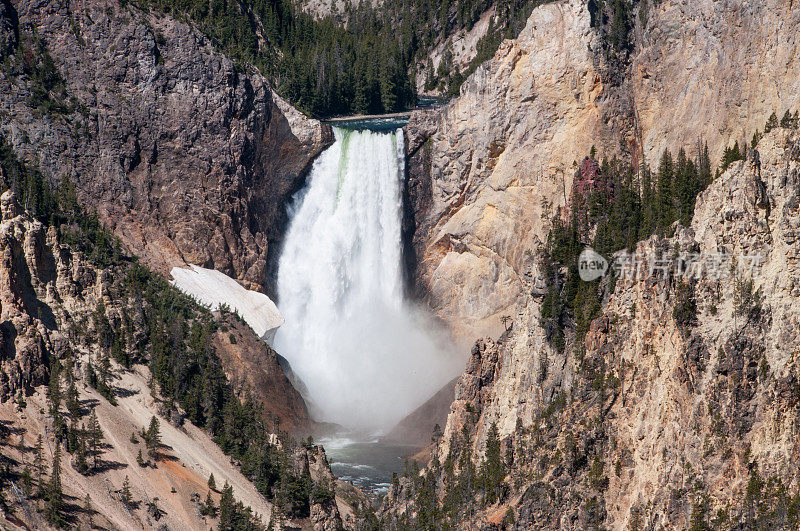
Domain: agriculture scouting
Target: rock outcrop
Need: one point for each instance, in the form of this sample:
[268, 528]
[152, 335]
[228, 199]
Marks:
[186, 156]
[253, 369]
[32, 269]
[499, 162]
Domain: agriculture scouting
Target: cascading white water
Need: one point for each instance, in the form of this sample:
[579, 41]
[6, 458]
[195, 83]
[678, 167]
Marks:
[366, 355]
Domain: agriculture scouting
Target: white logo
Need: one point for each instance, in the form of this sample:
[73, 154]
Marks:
[591, 265]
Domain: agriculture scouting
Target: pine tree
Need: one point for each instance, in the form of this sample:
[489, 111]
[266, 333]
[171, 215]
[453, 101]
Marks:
[731, 155]
[100, 376]
[72, 438]
[704, 167]
[387, 82]
[649, 214]
[118, 348]
[105, 373]
[60, 430]
[102, 328]
[94, 435]
[212, 484]
[73, 403]
[226, 507]
[39, 465]
[153, 437]
[27, 481]
[154, 510]
[54, 389]
[664, 197]
[493, 470]
[772, 123]
[92, 377]
[81, 454]
[786, 121]
[209, 507]
[361, 89]
[681, 184]
[87, 509]
[21, 403]
[54, 503]
[430, 75]
[125, 494]
[756, 138]
[21, 448]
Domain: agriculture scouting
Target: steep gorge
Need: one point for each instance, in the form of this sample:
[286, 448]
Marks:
[191, 159]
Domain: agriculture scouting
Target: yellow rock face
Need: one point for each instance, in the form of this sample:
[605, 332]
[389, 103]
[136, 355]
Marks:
[501, 159]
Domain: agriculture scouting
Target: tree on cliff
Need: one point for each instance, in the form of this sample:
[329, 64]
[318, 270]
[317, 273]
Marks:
[54, 503]
[54, 395]
[493, 470]
[731, 155]
[94, 437]
[73, 402]
[226, 508]
[125, 494]
[208, 507]
[152, 437]
[82, 452]
[627, 211]
[39, 465]
[772, 123]
[664, 195]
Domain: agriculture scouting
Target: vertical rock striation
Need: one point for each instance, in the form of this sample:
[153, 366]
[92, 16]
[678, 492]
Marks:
[188, 157]
[499, 161]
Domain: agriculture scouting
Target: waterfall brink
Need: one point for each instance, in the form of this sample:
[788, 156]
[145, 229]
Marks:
[367, 355]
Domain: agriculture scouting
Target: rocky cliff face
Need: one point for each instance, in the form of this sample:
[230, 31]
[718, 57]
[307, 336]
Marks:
[253, 369]
[499, 161]
[711, 71]
[684, 408]
[186, 156]
[49, 299]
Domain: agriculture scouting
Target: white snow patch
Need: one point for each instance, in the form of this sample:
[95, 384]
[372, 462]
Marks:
[214, 288]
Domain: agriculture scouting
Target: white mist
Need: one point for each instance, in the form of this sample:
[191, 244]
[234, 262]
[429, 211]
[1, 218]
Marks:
[367, 356]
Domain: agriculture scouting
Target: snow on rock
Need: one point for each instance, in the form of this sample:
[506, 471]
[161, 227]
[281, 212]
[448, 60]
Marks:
[213, 288]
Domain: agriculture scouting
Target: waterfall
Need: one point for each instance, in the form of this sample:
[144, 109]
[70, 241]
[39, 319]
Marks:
[367, 355]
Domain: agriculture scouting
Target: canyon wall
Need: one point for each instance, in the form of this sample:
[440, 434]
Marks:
[497, 165]
[186, 156]
[683, 408]
[679, 409]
